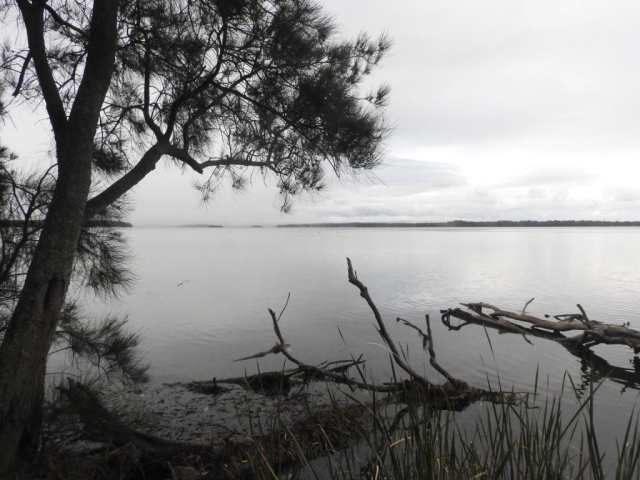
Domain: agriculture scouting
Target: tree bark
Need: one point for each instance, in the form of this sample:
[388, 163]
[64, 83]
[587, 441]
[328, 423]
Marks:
[117, 189]
[24, 350]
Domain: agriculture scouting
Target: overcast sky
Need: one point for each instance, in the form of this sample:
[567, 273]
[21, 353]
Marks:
[503, 110]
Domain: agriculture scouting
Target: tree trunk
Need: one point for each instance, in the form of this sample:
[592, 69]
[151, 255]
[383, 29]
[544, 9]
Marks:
[24, 350]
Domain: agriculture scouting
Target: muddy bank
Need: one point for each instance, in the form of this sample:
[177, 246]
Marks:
[197, 412]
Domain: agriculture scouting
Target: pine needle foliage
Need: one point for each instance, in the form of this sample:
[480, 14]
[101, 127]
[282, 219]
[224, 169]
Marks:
[226, 87]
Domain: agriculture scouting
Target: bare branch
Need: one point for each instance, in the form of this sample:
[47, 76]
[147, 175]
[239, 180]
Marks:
[585, 318]
[32, 16]
[382, 330]
[228, 161]
[338, 377]
[130, 179]
[182, 155]
[23, 71]
[432, 357]
[535, 321]
[147, 94]
[593, 332]
[63, 22]
[524, 309]
[275, 349]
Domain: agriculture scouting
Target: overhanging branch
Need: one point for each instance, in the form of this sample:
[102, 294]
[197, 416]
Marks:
[125, 183]
[182, 155]
[63, 22]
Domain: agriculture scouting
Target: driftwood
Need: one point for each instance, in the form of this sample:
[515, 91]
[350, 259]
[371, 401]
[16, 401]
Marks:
[593, 367]
[592, 332]
[454, 394]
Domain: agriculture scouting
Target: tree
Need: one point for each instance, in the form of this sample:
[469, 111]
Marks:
[222, 87]
[99, 349]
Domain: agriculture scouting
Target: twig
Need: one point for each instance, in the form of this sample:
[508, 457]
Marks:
[23, 71]
[526, 305]
[275, 349]
[585, 318]
[420, 332]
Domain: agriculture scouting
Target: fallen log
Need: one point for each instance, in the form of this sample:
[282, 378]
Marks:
[591, 332]
[594, 368]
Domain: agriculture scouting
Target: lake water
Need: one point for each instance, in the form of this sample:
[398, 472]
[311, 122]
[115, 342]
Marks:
[201, 299]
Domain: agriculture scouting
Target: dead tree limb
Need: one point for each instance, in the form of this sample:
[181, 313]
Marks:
[337, 377]
[584, 319]
[594, 368]
[592, 331]
[275, 349]
[559, 326]
[427, 344]
[382, 330]
[526, 305]
[454, 394]
[420, 332]
[499, 323]
[432, 357]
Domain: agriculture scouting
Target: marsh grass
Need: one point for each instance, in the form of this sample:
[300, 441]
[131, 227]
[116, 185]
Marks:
[529, 438]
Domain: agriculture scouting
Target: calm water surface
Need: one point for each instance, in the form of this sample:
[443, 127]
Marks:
[202, 295]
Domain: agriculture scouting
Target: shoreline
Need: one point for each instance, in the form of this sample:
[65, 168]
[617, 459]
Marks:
[177, 412]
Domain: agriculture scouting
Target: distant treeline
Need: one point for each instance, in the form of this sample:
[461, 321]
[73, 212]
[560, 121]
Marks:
[463, 223]
[90, 223]
[199, 225]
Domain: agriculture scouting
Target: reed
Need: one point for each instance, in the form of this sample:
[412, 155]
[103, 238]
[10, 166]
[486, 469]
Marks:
[528, 439]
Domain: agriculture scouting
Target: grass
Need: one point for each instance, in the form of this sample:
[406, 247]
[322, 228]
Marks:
[412, 441]
[405, 439]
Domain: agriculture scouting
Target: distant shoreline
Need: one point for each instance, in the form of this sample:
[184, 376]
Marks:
[200, 226]
[90, 223]
[467, 224]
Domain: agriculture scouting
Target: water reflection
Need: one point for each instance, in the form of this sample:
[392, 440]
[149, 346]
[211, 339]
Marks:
[594, 369]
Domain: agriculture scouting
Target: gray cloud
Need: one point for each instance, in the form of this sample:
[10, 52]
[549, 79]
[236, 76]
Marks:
[503, 110]
[557, 174]
[554, 73]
